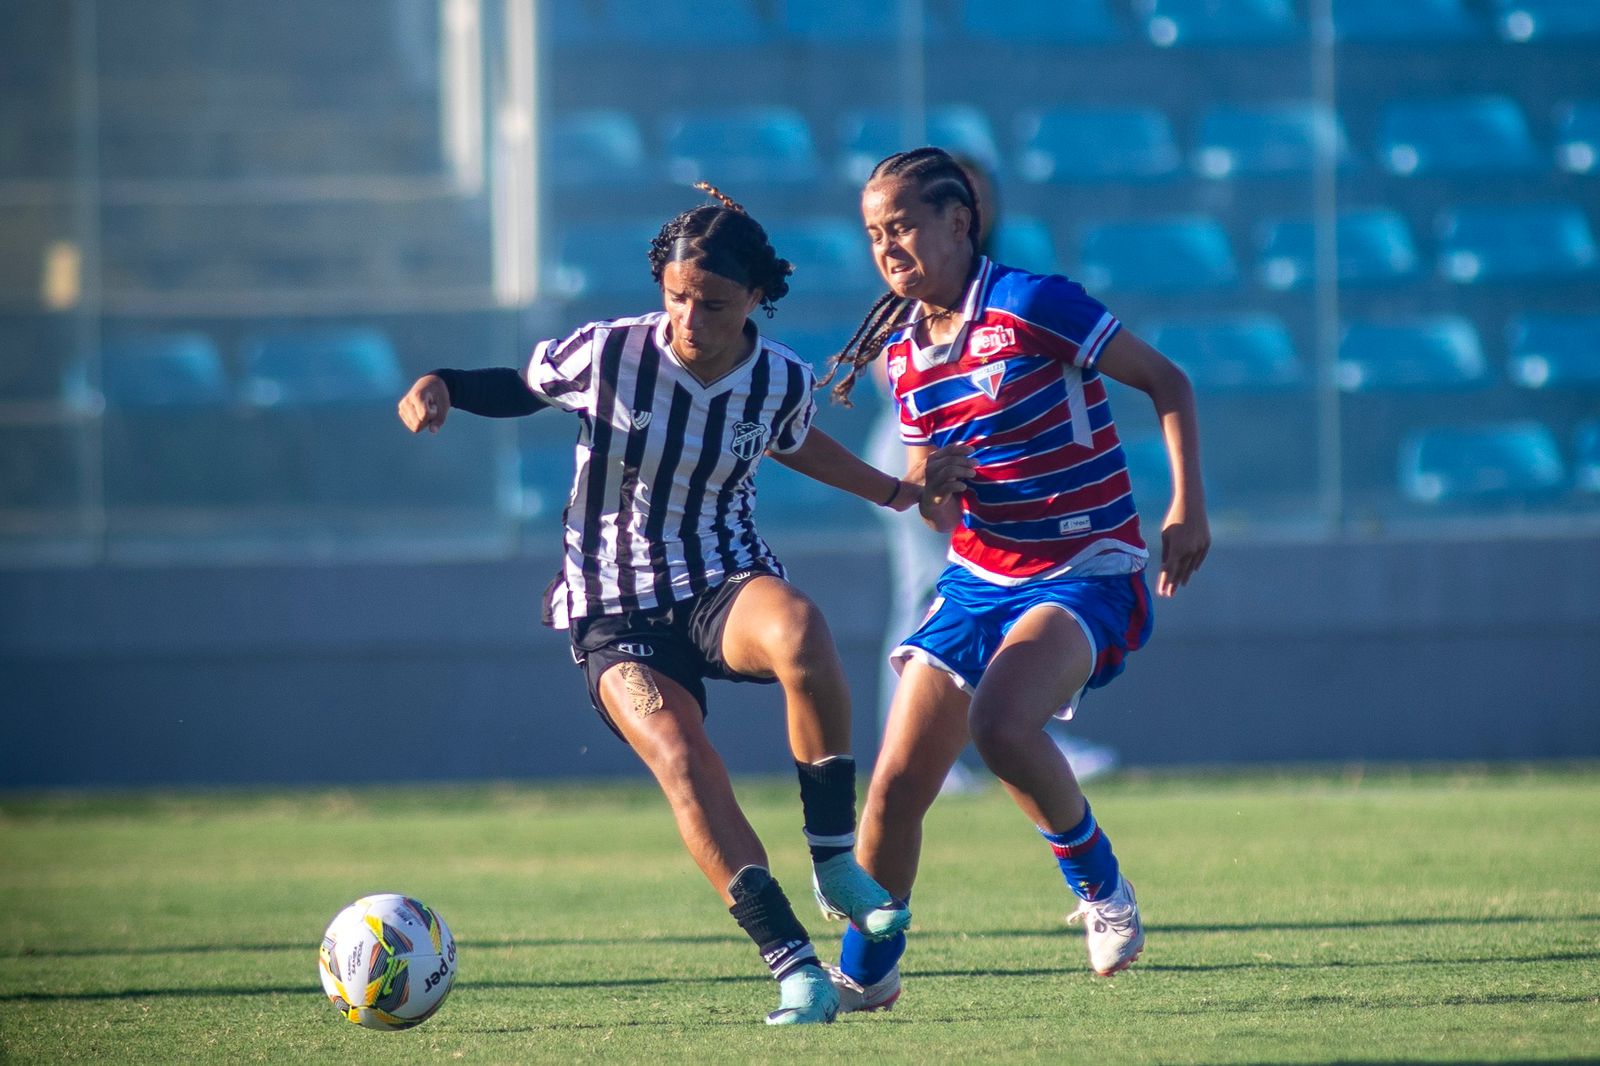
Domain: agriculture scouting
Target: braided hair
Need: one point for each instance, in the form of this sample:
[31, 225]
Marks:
[942, 181]
[727, 233]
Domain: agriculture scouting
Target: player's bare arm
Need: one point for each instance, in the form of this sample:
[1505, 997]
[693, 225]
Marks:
[946, 472]
[426, 404]
[1185, 533]
[824, 459]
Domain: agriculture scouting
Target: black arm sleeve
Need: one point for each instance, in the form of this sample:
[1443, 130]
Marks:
[496, 392]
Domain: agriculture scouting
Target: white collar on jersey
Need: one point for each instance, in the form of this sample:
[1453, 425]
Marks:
[937, 355]
[730, 375]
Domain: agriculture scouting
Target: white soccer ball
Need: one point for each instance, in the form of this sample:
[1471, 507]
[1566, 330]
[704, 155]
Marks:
[387, 962]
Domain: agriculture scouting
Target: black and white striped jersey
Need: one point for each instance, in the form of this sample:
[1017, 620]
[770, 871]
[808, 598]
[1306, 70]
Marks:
[662, 505]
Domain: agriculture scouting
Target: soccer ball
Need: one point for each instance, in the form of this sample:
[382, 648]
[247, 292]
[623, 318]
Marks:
[387, 962]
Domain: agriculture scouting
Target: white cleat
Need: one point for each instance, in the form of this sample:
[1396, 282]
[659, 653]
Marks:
[805, 997]
[854, 996]
[846, 892]
[1112, 928]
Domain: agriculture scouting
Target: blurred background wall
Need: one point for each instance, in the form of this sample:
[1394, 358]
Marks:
[231, 234]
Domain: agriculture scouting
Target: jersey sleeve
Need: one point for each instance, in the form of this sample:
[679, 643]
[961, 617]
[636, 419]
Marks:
[911, 431]
[560, 372]
[794, 421]
[1068, 324]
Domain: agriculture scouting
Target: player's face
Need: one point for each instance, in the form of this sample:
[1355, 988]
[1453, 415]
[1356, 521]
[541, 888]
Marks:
[921, 251]
[706, 311]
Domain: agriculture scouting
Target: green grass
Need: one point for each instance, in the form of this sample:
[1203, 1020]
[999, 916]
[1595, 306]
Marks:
[1439, 915]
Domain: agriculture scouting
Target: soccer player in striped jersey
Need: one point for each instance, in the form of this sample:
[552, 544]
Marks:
[996, 376]
[666, 581]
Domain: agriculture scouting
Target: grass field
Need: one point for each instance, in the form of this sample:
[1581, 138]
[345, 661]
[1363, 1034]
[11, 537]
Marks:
[1440, 915]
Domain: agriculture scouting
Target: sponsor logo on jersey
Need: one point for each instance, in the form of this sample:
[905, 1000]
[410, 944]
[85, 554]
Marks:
[636, 649]
[742, 575]
[1077, 523]
[991, 340]
[640, 419]
[897, 366]
[749, 438]
[988, 378]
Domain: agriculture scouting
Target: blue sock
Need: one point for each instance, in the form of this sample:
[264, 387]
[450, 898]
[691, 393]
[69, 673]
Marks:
[867, 962]
[1084, 853]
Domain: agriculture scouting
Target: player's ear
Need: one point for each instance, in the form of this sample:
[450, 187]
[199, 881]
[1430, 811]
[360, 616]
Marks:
[961, 221]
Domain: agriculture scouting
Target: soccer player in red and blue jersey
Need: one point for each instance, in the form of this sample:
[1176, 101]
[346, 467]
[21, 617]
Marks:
[997, 382]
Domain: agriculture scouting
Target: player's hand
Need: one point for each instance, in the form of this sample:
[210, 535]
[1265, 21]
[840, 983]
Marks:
[948, 473]
[1185, 540]
[426, 405]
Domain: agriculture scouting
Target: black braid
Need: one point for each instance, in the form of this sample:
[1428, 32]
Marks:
[942, 181]
[728, 229]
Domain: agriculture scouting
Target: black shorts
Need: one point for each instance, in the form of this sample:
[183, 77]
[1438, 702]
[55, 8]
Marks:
[681, 640]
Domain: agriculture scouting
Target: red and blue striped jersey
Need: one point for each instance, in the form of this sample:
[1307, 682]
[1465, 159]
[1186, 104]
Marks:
[1019, 385]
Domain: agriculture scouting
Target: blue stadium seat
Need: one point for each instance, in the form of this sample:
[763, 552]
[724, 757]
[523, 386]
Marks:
[870, 134]
[1456, 135]
[1515, 241]
[1586, 470]
[605, 259]
[163, 370]
[1040, 21]
[1578, 136]
[320, 368]
[600, 146]
[848, 22]
[1508, 462]
[1185, 22]
[1555, 351]
[1025, 242]
[1374, 247]
[830, 256]
[1096, 144]
[1173, 255]
[1403, 21]
[1251, 140]
[1436, 354]
[1546, 20]
[1149, 471]
[682, 23]
[741, 146]
[1249, 353]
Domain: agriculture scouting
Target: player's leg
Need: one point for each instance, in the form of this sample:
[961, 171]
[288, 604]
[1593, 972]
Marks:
[1045, 658]
[927, 730]
[771, 629]
[664, 724]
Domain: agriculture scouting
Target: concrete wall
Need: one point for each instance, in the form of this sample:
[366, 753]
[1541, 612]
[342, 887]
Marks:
[1461, 649]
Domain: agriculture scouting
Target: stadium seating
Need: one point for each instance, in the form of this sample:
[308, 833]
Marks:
[1405, 21]
[870, 134]
[1456, 135]
[847, 22]
[1578, 137]
[1374, 247]
[321, 368]
[163, 371]
[1054, 22]
[1265, 140]
[1515, 241]
[830, 256]
[1096, 144]
[605, 259]
[597, 147]
[1025, 243]
[1172, 255]
[1547, 20]
[1481, 465]
[681, 24]
[1150, 473]
[1249, 353]
[1430, 355]
[740, 146]
[1555, 351]
[1586, 468]
[1172, 23]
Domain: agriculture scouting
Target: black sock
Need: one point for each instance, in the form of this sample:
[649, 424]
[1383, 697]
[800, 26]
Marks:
[828, 800]
[763, 912]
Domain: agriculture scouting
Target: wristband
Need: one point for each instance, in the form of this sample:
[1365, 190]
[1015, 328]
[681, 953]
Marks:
[892, 493]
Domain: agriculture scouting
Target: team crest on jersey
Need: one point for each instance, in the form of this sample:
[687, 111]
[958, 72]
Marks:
[991, 340]
[749, 438]
[988, 378]
[640, 419]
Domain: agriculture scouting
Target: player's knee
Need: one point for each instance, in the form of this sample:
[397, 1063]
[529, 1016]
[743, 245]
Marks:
[996, 736]
[797, 641]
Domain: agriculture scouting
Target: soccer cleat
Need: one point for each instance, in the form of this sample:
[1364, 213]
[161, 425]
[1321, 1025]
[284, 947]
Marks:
[805, 997]
[854, 996]
[846, 892]
[1113, 930]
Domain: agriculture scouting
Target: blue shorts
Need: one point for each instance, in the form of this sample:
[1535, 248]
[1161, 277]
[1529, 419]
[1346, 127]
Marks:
[970, 617]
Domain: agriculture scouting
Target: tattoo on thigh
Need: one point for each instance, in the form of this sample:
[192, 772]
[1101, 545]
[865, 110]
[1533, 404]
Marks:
[644, 696]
